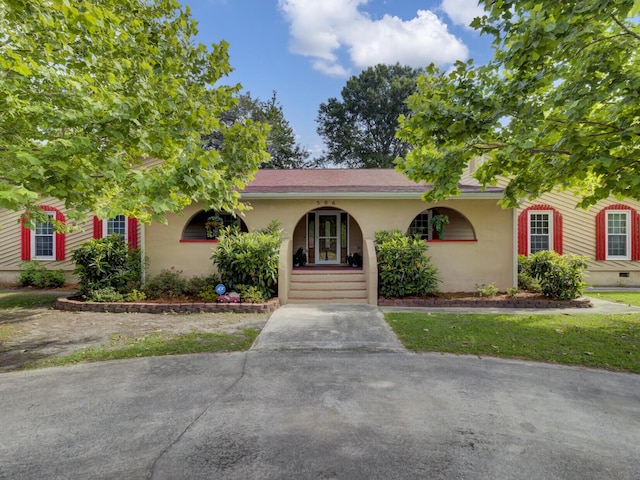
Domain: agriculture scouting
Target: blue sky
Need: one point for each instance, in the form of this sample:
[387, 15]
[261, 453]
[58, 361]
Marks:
[305, 50]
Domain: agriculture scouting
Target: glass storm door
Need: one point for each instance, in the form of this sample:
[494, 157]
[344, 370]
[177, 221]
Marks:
[327, 238]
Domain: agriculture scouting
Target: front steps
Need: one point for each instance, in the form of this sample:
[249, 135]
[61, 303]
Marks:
[327, 286]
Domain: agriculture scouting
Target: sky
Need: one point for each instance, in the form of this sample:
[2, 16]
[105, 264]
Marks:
[306, 50]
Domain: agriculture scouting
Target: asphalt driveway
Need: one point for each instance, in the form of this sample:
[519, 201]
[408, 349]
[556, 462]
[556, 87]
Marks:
[340, 412]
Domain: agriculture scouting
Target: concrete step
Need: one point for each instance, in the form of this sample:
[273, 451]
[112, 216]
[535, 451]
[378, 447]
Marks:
[359, 301]
[299, 285]
[335, 293]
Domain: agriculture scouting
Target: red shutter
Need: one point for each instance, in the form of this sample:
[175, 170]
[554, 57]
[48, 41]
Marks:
[523, 233]
[97, 227]
[557, 231]
[635, 235]
[60, 250]
[25, 240]
[601, 235]
[132, 233]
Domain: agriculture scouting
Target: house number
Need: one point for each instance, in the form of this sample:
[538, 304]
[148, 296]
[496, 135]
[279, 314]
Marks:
[326, 202]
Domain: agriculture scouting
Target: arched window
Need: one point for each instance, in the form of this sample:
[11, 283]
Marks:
[42, 242]
[195, 229]
[539, 228]
[125, 226]
[456, 226]
[618, 233]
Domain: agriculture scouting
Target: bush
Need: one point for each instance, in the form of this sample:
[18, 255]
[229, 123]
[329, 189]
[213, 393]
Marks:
[487, 290]
[34, 274]
[525, 280]
[208, 293]
[106, 294]
[249, 259]
[250, 294]
[560, 276]
[107, 262]
[403, 267]
[196, 284]
[168, 283]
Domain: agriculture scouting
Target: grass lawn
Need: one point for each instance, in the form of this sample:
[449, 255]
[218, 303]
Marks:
[9, 300]
[596, 341]
[155, 344]
[628, 298]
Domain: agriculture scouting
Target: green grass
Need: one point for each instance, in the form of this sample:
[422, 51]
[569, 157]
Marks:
[26, 300]
[155, 345]
[596, 341]
[628, 298]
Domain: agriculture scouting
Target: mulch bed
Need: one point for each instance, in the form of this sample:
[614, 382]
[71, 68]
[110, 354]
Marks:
[465, 299]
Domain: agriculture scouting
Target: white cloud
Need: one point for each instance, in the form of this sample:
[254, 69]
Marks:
[319, 29]
[462, 12]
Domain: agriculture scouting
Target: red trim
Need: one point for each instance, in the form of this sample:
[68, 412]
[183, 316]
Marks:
[132, 233]
[601, 231]
[97, 227]
[523, 229]
[25, 235]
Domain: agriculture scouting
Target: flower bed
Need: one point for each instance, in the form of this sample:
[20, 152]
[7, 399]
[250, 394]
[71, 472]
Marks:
[76, 305]
[521, 300]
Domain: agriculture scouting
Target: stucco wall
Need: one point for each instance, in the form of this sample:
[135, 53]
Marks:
[462, 264]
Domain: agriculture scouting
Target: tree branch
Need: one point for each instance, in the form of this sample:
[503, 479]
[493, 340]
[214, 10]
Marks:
[624, 27]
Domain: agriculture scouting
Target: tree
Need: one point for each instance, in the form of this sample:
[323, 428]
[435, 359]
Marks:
[90, 89]
[285, 152]
[556, 107]
[359, 130]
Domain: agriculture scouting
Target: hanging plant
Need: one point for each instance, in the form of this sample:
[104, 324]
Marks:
[438, 222]
[213, 226]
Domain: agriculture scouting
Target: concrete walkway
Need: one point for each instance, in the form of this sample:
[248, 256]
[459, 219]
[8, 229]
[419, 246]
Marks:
[327, 327]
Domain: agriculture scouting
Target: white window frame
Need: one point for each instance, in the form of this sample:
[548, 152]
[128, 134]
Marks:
[549, 214]
[627, 214]
[52, 216]
[105, 228]
[429, 234]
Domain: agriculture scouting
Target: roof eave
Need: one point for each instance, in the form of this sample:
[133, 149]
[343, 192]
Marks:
[361, 195]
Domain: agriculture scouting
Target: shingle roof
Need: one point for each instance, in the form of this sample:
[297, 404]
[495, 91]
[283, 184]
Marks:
[341, 180]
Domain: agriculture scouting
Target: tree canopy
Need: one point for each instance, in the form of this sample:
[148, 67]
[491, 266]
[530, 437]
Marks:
[284, 150]
[89, 90]
[558, 106]
[359, 130]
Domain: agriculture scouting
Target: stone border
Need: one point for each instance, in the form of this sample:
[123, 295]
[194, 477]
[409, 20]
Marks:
[484, 303]
[71, 305]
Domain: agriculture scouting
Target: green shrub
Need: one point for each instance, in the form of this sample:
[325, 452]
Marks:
[168, 283]
[525, 280]
[208, 293]
[34, 274]
[250, 294]
[196, 284]
[135, 296]
[249, 259]
[560, 276]
[105, 294]
[404, 269]
[487, 290]
[512, 291]
[107, 262]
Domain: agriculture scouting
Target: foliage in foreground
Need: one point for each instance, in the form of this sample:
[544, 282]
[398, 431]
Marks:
[88, 89]
[107, 268]
[156, 345]
[598, 341]
[34, 274]
[403, 267]
[556, 107]
[557, 276]
[249, 259]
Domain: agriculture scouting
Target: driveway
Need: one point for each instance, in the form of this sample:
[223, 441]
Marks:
[340, 412]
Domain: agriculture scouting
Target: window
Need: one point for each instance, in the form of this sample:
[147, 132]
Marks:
[421, 225]
[539, 228]
[195, 229]
[126, 227]
[42, 242]
[618, 235]
[540, 231]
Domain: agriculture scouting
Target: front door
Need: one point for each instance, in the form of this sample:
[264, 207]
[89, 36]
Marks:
[328, 238]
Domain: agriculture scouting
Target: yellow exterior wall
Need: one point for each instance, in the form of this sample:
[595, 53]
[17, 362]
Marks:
[461, 264]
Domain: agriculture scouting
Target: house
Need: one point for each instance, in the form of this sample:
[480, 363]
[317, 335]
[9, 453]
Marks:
[329, 213]
[608, 234]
